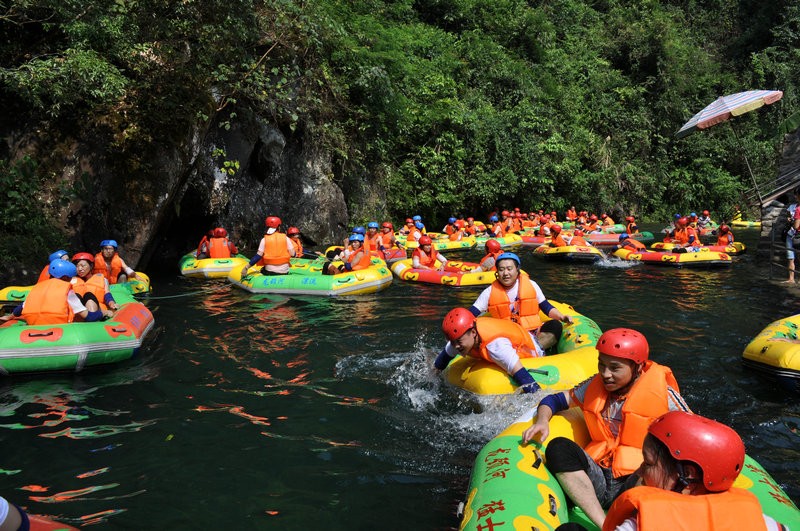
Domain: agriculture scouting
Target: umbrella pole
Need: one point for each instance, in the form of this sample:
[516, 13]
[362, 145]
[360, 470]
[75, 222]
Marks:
[747, 163]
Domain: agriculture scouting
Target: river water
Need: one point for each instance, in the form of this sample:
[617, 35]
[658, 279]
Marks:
[270, 412]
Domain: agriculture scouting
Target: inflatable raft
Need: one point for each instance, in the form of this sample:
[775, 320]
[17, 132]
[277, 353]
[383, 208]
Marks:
[608, 240]
[305, 278]
[734, 249]
[576, 361]
[570, 253]
[73, 346]
[698, 259]
[454, 274]
[138, 286]
[210, 267]
[511, 487]
[775, 353]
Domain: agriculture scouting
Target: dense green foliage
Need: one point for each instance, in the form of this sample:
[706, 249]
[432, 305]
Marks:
[448, 105]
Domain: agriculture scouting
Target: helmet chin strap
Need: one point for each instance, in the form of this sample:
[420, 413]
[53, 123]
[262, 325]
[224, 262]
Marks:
[682, 482]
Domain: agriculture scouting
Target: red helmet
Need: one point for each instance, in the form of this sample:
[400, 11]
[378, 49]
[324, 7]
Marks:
[683, 221]
[516, 209]
[555, 228]
[219, 232]
[630, 218]
[292, 231]
[505, 212]
[493, 246]
[470, 219]
[593, 217]
[409, 221]
[553, 213]
[716, 448]
[89, 257]
[457, 323]
[578, 233]
[706, 212]
[624, 343]
[425, 240]
[724, 229]
[273, 222]
[387, 225]
[546, 217]
[604, 215]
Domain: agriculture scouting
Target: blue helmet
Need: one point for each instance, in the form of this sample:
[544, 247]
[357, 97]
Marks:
[623, 236]
[494, 218]
[508, 256]
[419, 225]
[62, 268]
[57, 255]
[677, 216]
[451, 220]
[417, 218]
[356, 237]
[693, 215]
[109, 243]
[373, 225]
[359, 230]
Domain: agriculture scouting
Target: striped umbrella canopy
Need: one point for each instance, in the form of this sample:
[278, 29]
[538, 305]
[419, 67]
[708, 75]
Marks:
[726, 106]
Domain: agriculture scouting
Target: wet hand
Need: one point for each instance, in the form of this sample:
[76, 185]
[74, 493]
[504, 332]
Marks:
[539, 431]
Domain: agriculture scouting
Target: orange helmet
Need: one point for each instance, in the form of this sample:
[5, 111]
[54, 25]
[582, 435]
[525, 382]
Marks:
[624, 343]
[457, 323]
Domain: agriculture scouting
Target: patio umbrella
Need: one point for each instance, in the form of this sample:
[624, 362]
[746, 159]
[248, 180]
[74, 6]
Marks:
[726, 107]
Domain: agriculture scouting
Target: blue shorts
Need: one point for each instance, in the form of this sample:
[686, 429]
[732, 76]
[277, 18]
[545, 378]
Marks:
[789, 248]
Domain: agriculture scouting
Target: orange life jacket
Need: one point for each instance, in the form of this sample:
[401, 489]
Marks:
[572, 215]
[427, 260]
[578, 240]
[100, 267]
[386, 239]
[490, 329]
[681, 235]
[45, 274]
[275, 251]
[591, 226]
[516, 225]
[633, 245]
[631, 228]
[559, 241]
[47, 303]
[471, 230]
[96, 284]
[526, 307]
[608, 221]
[725, 239]
[363, 262]
[646, 401]
[661, 510]
[218, 248]
[494, 256]
[298, 246]
[691, 231]
[498, 230]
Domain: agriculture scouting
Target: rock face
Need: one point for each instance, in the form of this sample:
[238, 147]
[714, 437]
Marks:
[159, 212]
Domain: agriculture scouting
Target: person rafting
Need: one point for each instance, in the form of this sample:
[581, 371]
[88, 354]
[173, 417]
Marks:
[111, 265]
[92, 288]
[557, 238]
[489, 260]
[274, 251]
[724, 236]
[499, 341]
[425, 256]
[217, 246]
[690, 465]
[618, 402]
[58, 255]
[632, 244]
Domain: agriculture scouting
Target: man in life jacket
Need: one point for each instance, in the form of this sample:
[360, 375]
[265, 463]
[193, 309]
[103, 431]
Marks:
[274, 252]
[704, 220]
[515, 297]
[54, 301]
[685, 237]
[408, 227]
[92, 288]
[690, 465]
[578, 239]
[45, 273]
[497, 230]
[499, 341]
[626, 242]
[493, 250]
[425, 256]
[724, 236]
[218, 246]
[630, 226]
[606, 220]
[418, 219]
[452, 230]
[572, 214]
[619, 403]
[470, 229]
[386, 237]
[356, 259]
[108, 263]
[372, 237]
[557, 239]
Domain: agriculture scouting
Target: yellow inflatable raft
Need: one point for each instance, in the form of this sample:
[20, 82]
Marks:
[775, 352]
[454, 274]
[576, 362]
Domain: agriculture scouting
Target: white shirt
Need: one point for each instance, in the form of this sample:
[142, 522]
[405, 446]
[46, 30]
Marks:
[632, 525]
[482, 302]
[280, 269]
[500, 350]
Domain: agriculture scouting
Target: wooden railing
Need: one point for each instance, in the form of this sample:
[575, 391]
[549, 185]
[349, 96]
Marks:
[770, 190]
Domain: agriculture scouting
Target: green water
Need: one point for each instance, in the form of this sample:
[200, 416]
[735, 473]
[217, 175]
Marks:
[269, 412]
